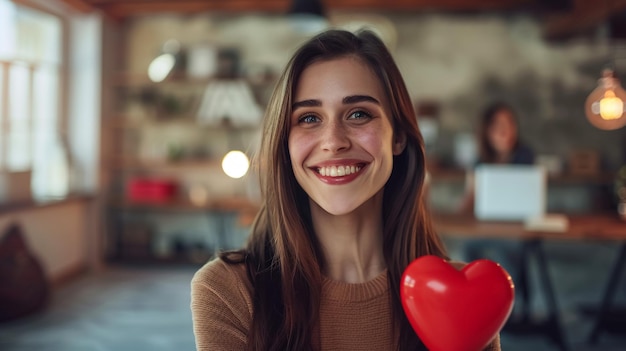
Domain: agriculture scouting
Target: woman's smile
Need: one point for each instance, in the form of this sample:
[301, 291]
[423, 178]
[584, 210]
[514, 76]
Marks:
[339, 173]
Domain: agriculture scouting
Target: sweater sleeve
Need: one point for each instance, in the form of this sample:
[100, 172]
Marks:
[221, 307]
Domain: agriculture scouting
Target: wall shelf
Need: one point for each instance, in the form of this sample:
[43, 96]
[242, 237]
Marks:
[145, 139]
[122, 163]
[458, 175]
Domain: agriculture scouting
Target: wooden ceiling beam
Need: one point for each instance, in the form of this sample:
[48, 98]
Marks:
[121, 9]
[428, 5]
[82, 6]
[585, 16]
[129, 8]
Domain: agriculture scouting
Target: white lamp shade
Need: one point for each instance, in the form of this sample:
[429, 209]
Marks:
[230, 100]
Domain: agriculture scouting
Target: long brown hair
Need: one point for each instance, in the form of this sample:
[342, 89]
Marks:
[283, 256]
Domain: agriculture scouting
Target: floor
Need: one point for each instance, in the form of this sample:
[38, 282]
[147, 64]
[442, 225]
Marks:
[138, 308]
[119, 309]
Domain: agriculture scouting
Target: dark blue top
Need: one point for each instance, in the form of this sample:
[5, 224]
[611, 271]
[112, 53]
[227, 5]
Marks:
[522, 155]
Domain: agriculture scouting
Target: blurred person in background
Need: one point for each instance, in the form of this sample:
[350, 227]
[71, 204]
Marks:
[499, 143]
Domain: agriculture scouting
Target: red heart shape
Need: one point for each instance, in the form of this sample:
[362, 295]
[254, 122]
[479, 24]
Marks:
[456, 310]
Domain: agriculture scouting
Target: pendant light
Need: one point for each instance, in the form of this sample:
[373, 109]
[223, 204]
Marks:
[605, 106]
[168, 60]
[307, 17]
[307, 7]
[230, 104]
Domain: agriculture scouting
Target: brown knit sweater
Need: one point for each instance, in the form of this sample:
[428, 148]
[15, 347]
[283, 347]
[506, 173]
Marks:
[352, 316]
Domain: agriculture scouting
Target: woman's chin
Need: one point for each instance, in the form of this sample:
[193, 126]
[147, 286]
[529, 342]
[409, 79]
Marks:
[338, 210]
[344, 207]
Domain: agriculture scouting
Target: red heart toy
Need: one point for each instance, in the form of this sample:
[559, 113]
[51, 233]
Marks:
[456, 310]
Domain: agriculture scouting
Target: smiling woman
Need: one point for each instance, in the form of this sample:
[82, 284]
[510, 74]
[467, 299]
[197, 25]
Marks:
[343, 212]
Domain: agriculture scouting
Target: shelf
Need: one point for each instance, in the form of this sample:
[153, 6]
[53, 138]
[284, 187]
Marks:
[134, 79]
[458, 175]
[142, 80]
[123, 121]
[131, 164]
[600, 178]
[128, 121]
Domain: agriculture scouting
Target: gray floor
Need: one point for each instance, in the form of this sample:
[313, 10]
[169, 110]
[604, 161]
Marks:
[120, 309]
[133, 308]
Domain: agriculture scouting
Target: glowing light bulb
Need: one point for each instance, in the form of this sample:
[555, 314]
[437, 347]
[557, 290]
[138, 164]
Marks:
[235, 164]
[161, 67]
[611, 107]
[605, 105]
[164, 64]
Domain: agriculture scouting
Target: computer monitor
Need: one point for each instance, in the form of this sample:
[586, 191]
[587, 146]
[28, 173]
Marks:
[509, 192]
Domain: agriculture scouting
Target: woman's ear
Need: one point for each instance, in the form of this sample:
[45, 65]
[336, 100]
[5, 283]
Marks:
[399, 143]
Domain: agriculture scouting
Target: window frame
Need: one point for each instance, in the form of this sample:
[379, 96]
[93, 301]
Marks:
[61, 122]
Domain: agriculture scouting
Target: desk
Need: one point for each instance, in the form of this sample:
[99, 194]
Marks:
[582, 227]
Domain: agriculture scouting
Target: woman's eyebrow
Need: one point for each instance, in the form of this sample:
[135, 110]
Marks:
[352, 99]
[306, 103]
[359, 98]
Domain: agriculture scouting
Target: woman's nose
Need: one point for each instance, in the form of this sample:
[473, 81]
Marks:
[335, 137]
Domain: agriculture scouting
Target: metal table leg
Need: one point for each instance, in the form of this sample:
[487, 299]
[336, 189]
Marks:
[551, 326]
[609, 294]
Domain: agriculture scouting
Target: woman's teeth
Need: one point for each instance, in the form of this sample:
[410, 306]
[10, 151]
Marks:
[338, 171]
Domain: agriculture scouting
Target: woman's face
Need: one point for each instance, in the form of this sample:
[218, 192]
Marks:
[341, 140]
[502, 133]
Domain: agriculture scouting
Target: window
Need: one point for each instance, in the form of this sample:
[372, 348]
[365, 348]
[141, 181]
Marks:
[31, 66]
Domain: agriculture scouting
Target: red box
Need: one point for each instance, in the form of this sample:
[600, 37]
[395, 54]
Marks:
[151, 190]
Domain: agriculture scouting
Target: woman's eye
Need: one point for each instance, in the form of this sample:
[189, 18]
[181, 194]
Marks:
[308, 119]
[359, 115]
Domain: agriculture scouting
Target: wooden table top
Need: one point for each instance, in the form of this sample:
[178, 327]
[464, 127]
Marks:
[588, 226]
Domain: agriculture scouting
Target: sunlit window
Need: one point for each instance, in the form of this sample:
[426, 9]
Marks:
[30, 80]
